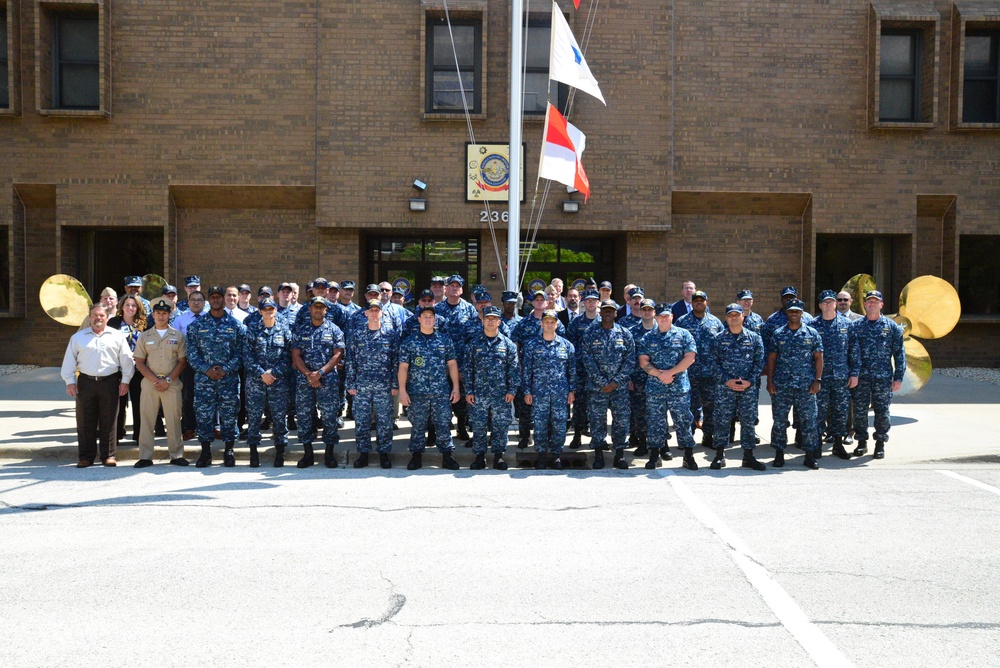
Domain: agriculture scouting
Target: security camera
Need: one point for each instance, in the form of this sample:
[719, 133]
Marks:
[419, 185]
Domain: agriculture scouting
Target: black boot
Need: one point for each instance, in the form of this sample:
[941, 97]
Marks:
[448, 462]
[206, 456]
[707, 441]
[384, 460]
[307, 458]
[462, 433]
[416, 461]
[838, 448]
[362, 461]
[557, 463]
[330, 457]
[798, 439]
[779, 459]
[279, 456]
[654, 459]
[480, 463]
[810, 462]
[619, 460]
[750, 462]
[524, 440]
[641, 449]
[689, 463]
[598, 458]
[862, 448]
[576, 442]
[254, 457]
[720, 460]
[665, 453]
[498, 462]
[879, 450]
[228, 456]
[541, 461]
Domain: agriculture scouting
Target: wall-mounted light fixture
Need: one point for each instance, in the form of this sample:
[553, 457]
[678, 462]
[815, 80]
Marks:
[418, 203]
[570, 206]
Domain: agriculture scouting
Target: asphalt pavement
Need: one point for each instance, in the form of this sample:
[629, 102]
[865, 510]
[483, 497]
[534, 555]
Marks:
[867, 563]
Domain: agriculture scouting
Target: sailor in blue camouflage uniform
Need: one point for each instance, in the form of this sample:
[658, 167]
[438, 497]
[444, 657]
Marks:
[528, 328]
[574, 334]
[664, 355]
[317, 349]
[490, 371]
[215, 352]
[704, 327]
[795, 374]
[755, 323]
[834, 396]
[267, 358]
[457, 313]
[372, 365]
[320, 288]
[739, 360]
[608, 353]
[133, 286]
[637, 392]
[428, 384]
[878, 343]
[548, 380]
[412, 325]
[510, 315]
[191, 284]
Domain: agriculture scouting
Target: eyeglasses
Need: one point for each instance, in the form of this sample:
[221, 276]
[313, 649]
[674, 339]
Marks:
[385, 290]
[843, 300]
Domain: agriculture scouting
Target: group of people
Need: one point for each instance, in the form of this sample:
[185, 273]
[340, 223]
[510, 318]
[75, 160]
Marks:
[212, 362]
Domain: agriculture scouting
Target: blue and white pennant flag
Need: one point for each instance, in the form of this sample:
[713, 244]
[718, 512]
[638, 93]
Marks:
[566, 61]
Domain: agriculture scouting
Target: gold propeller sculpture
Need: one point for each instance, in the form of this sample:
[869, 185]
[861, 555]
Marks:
[152, 286]
[929, 308]
[64, 299]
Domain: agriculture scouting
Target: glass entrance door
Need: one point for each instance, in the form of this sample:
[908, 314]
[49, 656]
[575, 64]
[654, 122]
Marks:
[411, 262]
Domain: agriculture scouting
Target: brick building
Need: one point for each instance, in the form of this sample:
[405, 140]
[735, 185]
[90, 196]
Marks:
[746, 143]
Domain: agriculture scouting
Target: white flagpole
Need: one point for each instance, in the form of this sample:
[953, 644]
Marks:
[516, 104]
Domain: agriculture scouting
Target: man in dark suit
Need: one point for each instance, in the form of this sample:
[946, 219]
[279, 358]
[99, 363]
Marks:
[572, 310]
[683, 305]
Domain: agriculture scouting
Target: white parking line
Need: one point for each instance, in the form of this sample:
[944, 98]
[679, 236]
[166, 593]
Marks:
[791, 616]
[971, 481]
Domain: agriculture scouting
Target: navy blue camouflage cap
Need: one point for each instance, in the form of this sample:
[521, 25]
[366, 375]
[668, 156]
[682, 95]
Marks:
[789, 290]
[133, 281]
[827, 295]
[423, 309]
[455, 278]
[320, 283]
[795, 305]
[309, 286]
[636, 291]
[335, 286]
[550, 313]
[647, 303]
[266, 302]
[399, 291]
[426, 294]
[347, 285]
[265, 290]
[491, 311]
[318, 300]
[373, 288]
[509, 297]
[243, 287]
[699, 294]
[437, 279]
[873, 294]
[665, 308]
[733, 308]
[168, 290]
[540, 293]
[192, 281]
[484, 297]
[478, 289]
[215, 290]
[591, 294]
[162, 304]
[285, 286]
[605, 285]
[744, 294]
[373, 303]
[609, 303]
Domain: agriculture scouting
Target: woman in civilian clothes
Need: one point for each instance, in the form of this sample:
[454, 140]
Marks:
[132, 321]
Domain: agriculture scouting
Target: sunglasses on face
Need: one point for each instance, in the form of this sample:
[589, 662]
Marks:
[843, 300]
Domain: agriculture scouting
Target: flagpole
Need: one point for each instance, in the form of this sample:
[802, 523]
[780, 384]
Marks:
[516, 110]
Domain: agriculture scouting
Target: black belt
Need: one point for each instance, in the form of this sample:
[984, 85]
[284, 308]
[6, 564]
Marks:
[116, 375]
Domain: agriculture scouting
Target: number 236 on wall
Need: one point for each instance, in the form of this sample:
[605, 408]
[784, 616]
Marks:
[493, 216]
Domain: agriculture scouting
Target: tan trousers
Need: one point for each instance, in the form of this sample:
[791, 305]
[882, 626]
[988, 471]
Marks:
[149, 405]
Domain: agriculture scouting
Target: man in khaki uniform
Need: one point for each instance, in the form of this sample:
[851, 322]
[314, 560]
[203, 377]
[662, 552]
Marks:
[160, 356]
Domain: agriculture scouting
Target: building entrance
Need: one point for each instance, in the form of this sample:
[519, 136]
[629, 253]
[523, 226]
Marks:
[572, 260]
[411, 262]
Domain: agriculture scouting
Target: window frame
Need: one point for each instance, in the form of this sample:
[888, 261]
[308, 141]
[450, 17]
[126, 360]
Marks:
[478, 97]
[890, 18]
[47, 14]
[10, 10]
[994, 35]
[916, 51]
[58, 63]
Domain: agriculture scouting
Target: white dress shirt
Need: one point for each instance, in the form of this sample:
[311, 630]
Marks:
[97, 355]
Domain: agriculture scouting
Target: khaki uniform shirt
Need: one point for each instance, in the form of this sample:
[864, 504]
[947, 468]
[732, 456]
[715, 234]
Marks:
[161, 354]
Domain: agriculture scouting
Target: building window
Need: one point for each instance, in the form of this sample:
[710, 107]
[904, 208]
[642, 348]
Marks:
[76, 77]
[445, 84]
[538, 89]
[4, 60]
[979, 274]
[4, 269]
[981, 92]
[899, 76]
